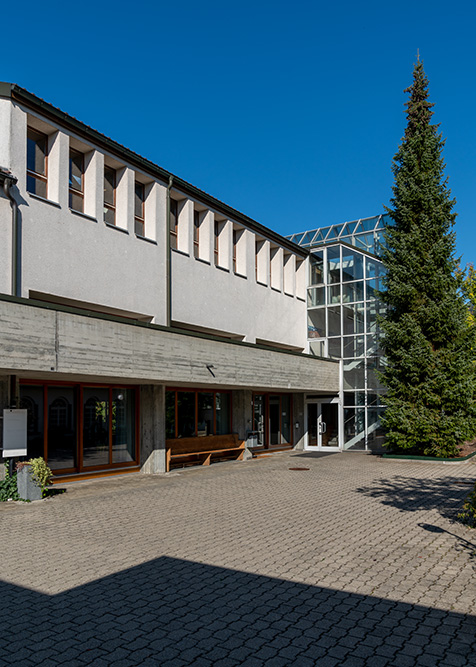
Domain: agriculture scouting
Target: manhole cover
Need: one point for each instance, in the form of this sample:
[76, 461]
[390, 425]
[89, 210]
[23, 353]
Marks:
[298, 468]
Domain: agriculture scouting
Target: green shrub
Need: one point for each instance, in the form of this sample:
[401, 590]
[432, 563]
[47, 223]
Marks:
[8, 487]
[468, 515]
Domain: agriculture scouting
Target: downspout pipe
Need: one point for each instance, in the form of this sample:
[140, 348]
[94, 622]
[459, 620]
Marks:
[169, 257]
[8, 183]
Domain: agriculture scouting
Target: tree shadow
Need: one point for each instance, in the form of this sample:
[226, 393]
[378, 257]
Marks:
[172, 612]
[407, 494]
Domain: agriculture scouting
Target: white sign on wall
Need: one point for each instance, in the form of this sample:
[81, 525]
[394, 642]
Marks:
[14, 433]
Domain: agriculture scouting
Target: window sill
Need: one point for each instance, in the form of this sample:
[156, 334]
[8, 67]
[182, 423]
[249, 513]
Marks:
[258, 282]
[303, 298]
[202, 261]
[180, 252]
[222, 268]
[119, 229]
[276, 289]
[82, 215]
[45, 201]
[289, 294]
[144, 238]
[240, 275]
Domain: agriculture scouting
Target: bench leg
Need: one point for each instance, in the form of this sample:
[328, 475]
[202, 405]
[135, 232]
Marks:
[206, 461]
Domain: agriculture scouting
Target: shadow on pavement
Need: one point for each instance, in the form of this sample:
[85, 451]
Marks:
[171, 612]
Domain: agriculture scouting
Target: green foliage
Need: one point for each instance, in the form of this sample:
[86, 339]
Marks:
[430, 376]
[40, 472]
[8, 487]
[468, 515]
[468, 290]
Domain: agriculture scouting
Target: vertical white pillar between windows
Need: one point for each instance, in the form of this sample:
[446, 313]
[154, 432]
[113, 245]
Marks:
[276, 274]
[125, 179]
[185, 226]
[94, 185]
[250, 246]
[302, 268]
[205, 236]
[155, 213]
[290, 274]
[58, 168]
[225, 245]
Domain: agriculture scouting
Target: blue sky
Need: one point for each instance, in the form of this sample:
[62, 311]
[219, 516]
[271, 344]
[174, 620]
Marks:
[289, 111]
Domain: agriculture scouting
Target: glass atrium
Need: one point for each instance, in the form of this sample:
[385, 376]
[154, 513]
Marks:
[343, 304]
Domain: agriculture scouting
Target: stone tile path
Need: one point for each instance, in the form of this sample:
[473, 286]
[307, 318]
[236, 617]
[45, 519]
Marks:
[357, 561]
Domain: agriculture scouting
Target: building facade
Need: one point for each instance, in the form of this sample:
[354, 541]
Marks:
[135, 309]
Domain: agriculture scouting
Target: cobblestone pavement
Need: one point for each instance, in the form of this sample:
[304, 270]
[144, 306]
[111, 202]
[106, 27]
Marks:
[356, 561]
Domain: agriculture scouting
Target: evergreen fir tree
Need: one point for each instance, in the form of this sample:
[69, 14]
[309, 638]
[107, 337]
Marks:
[429, 346]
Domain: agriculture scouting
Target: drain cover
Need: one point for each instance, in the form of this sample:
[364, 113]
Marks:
[298, 468]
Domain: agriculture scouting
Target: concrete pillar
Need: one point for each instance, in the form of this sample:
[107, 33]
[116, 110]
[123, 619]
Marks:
[58, 166]
[125, 199]
[94, 185]
[152, 429]
[298, 418]
[242, 402]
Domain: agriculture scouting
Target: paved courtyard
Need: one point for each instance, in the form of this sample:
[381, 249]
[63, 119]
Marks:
[356, 561]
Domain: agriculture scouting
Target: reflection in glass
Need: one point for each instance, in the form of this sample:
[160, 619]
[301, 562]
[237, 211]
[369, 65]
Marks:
[354, 374]
[316, 323]
[333, 320]
[223, 413]
[334, 346]
[353, 346]
[353, 292]
[353, 319]
[186, 414]
[316, 296]
[334, 293]
[62, 444]
[354, 428]
[316, 269]
[95, 426]
[31, 399]
[318, 348]
[333, 265]
[352, 265]
[205, 414]
[123, 425]
[312, 425]
[170, 414]
[274, 430]
[258, 417]
[286, 434]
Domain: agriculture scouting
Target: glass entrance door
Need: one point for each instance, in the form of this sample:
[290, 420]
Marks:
[322, 426]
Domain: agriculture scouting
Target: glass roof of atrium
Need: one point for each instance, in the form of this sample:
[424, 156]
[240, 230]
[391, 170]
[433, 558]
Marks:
[365, 234]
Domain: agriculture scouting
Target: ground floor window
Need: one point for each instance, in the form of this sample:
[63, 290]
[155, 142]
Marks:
[194, 413]
[81, 427]
[272, 419]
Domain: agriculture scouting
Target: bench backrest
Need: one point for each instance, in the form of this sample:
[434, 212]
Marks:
[207, 443]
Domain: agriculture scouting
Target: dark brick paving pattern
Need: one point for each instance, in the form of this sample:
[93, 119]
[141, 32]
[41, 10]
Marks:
[357, 561]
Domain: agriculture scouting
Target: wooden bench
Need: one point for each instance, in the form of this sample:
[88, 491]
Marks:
[203, 448]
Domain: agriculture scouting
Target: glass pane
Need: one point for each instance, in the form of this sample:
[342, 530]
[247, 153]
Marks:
[330, 419]
[333, 321]
[312, 424]
[316, 268]
[36, 186]
[333, 265]
[334, 347]
[76, 168]
[354, 428]
[353, 292]
[375, 432]
[375, 366]
[353, 317]
[274, 421]
[31, 399]
[317, 348]
[316, 323]
[123, 425]
[109, 216]
[62, 444]
[186, 414]
[258, 417]
[170, 414]
[173, 215]
[36, 152]
[374, 308]
[373, 346]
[223, 413]
[139, 227]
[354, 346]
[95, 426]
[334, 294]
[286, 426]
[354, 374]
[109, 185]
[205, 414]
[139, 200]
[316, 296]
[352, 265]
[374, 268]
[76, 202]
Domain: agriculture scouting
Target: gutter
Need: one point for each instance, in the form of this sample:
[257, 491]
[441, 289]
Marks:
[168, 268]
[8, 182]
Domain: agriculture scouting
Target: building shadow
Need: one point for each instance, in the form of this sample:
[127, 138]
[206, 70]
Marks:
[172, 612]
[407, 494]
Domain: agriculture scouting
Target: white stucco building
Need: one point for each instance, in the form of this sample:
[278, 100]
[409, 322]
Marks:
[137, 310]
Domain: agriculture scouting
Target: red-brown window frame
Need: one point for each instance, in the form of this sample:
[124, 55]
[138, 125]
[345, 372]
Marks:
[34, 174]
[80, 386]
[173, 224]
[266, 396]
[216, 232]
[111, 206]
[202, 390]
[73, 190]
[139, 220]
[196, 233]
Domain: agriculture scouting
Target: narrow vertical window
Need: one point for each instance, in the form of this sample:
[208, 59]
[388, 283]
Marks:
[235, 246]
[139, 209]
[215, 242]
[76, 181]
[109, 195]
[196, 233]
[173, 226]
[36, 163]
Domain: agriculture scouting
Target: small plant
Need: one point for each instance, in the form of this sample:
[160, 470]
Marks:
[8, 486]
[468, 515]
[40, 472]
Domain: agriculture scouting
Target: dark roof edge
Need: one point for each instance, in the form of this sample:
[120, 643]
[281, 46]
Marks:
[155, 327]
[14, 92]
